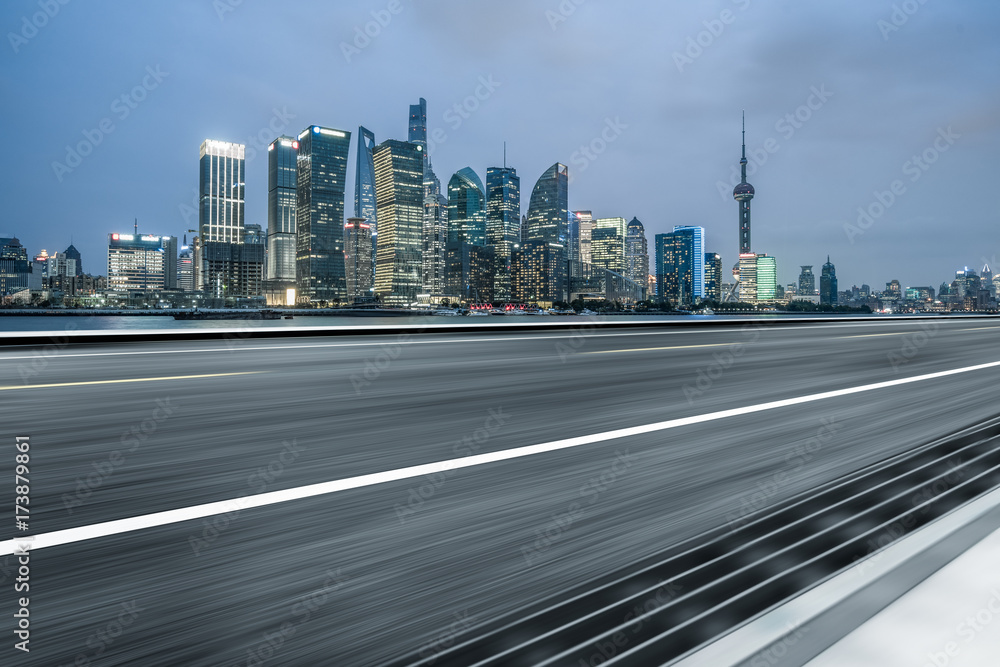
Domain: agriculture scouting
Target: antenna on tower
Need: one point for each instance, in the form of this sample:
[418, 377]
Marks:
[744, 133]
[505, 155]
[136, 226]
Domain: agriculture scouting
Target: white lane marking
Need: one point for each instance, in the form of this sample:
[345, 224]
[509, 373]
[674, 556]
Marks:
[242, 348]
[82, 533]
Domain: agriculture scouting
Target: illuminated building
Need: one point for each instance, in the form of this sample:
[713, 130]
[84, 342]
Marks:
[607, 249]
[358, 258]
[503, 221]
[17, 273]
[222, 186]
[364, 181]
[399, 197]
[319, 215]
[466, 208]
[680, 265]
[807, 281]
[636, 252]
[539, 273]
[141, 262]
[282, 201]
[748, 277]
[713, 276]
[767, 278]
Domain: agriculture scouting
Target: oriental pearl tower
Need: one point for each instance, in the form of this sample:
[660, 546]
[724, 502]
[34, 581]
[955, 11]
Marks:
[743, 193]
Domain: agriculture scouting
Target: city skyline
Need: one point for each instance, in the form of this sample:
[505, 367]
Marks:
[859, 131]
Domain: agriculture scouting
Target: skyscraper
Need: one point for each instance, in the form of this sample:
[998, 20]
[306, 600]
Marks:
[611, 255]
[222, 170]
[435, 234]
[282, 176]
[358, 258]
[680, 265]
[503, 221]
[142, 262]
[539, 273]
[185, 268]
[636, 252]
[364, 180]
[713, 276]
[72, 253]
[222, 189]
[466, 208]
[417, 133]
[583, 237]
[607, 249]
[748, 277]
[548, 207]
[743, 193]
[319, 215]
[828, 283]
[807, 281]
[399, 188]
[767, 278]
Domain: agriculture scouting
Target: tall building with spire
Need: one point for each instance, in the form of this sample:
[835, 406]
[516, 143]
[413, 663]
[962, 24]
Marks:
[743, 193]
[364, 180]
[828, 283]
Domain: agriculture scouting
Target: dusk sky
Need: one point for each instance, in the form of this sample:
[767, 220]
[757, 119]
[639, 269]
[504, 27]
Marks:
[664, 83]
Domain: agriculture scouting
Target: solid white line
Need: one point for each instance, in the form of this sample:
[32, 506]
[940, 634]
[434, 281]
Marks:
[242, 348]
[119, 526]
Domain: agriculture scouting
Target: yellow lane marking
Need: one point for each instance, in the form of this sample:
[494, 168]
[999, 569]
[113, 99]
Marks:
[170, 377]
[647, 349]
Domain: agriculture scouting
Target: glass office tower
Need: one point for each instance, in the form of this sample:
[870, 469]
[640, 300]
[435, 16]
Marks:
[282, 176]
[319, 219]
[466, 208]
[399, 197]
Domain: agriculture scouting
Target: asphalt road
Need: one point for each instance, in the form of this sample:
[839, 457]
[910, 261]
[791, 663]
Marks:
[368, 574]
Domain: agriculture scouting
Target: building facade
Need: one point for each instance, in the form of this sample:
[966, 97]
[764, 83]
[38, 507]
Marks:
[319, 217]
[807, 281]
[399, 188]
[143, 262]
[828, 283]
[466, 208]
[503, 222]
[713, 276]
[282, 202]
[358, 259]
[636, 252]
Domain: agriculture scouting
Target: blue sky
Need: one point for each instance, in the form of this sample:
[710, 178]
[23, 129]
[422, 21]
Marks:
[641, 99]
